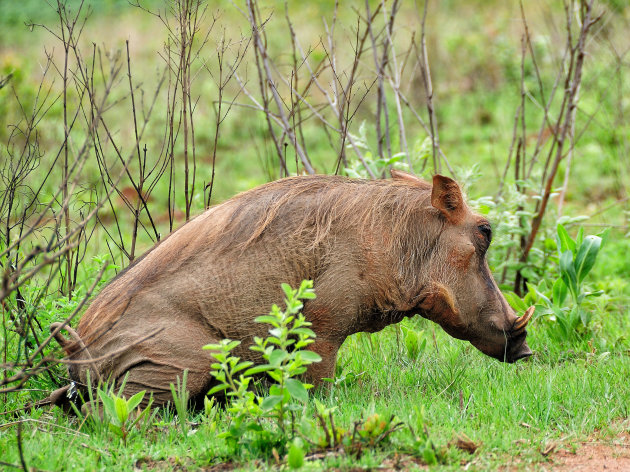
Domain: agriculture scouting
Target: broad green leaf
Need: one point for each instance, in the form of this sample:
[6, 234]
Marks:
[220, 375]
[122, 412]
[543, 311]
[267, 319]
[108, 403]
[298, 370]
[218, 388]
[134, 401]
[213, 347]
[565, 243]
[515, 301]
[276, 332]
[559, 292]
[241, 366]
[304, 331]
[288, 291]
[310, 356]
[271, 401]
[394, 159]
[303, 343]
[567, 270]
[543, 297]
[275, 375]
[586, 256]
[229, 345]
[580, 237]
[257, 369]
[297, 390]
[277, 356]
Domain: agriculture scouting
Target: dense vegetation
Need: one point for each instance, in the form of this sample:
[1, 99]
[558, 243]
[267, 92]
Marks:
[119, 122]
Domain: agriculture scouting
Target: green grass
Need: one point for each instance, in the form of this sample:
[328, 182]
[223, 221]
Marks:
[511, 411]
[563, 394]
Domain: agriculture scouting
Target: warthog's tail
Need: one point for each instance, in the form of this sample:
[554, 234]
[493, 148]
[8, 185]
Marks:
[70, 346]
[58, 397]
[64, 396]
[73, 347]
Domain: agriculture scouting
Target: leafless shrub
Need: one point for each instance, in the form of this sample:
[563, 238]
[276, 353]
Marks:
[49, 220]
[563, 98]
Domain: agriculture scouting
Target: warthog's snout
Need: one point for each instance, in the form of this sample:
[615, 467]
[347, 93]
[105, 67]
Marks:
[517, 346]
[522, 351]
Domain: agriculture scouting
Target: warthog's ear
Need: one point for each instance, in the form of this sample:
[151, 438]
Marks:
[447, 197]
[406, 176]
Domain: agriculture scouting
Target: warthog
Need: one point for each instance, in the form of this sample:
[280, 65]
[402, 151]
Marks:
[377, 251]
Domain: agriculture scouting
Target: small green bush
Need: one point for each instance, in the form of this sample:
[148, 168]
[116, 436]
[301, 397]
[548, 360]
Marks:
[265, 422]
[566, 322]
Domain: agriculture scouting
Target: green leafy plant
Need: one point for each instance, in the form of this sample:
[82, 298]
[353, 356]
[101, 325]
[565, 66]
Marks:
[243, 404]
[180, 400]
[326, 433]
[423, 445]
[264, 423]
[415, 341]
[286, 359]
[576, 258]
[120, 412]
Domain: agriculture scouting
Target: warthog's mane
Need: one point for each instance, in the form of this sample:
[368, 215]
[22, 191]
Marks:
[395, 215]
[319, 204]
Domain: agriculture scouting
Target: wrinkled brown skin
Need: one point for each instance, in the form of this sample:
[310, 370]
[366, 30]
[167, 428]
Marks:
[377, 251]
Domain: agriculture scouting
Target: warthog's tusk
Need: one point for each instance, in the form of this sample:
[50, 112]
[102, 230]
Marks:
[520, 323]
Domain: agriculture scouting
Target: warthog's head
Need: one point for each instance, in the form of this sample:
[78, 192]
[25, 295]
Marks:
[461, 294]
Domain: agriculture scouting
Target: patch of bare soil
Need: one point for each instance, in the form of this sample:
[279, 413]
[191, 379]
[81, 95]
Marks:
[597, 455]
[146, 463]
[172, 464]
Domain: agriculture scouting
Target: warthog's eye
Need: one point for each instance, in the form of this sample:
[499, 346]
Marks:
[486, 230]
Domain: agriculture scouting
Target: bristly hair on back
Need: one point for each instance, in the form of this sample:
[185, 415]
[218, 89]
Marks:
[313, 207]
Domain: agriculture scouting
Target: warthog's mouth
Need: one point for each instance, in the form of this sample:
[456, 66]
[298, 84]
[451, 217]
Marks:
[523, 353]
[516, 349]
[520, 350]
